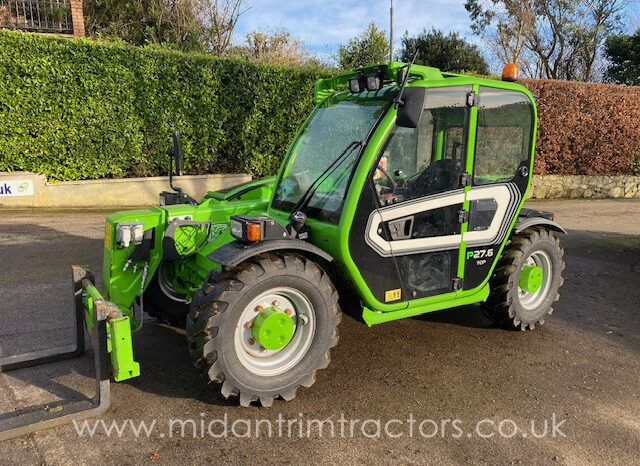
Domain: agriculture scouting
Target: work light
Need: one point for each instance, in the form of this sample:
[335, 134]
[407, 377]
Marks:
[374, 83]
[355, 85]
[128, 233]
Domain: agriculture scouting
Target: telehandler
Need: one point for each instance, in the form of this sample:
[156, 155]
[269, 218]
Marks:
[405, 186]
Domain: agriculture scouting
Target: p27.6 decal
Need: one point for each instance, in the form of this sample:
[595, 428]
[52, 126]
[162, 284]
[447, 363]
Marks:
[480, 255]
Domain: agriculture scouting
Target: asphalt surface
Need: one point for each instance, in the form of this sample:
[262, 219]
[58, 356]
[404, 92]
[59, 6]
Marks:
[582, 367]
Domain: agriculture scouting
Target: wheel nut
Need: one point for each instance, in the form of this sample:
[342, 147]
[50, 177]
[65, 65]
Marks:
[262, 349]
[276, 303]
[259, 308]
[251, 341]
[249, 324]
[289, 312]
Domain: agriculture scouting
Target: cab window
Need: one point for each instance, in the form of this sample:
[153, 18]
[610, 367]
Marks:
[503, 135]
[418, 162]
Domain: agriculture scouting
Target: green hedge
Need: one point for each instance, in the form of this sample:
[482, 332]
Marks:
[77, 109]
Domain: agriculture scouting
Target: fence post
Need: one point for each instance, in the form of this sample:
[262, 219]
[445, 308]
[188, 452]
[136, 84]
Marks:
[77, 18]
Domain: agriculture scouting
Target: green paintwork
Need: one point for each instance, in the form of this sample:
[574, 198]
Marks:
[120, 347]
[90, 294]
[119, 343]
[530, 278]
[122, 287]
[372, 317]
[334, 239]
[325, 88]
[272, 328]
[186, 275]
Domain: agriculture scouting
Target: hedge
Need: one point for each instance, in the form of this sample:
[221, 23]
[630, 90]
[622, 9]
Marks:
[77, 109]
[586, 128]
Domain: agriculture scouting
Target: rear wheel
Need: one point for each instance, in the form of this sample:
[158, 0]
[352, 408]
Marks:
[162, 301]
[264, 328]
[526, 280]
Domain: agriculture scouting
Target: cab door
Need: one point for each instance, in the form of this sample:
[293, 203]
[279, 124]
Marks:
[411, 209]
[501, 174]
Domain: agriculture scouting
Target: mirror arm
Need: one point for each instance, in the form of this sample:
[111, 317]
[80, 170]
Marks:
[177, 189]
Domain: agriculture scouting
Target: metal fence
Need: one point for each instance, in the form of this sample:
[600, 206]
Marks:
[52, 16]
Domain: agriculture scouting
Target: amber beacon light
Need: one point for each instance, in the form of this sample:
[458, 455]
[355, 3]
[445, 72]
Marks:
[510, 72]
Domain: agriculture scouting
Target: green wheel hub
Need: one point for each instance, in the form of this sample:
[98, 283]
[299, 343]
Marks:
[272, 328]
[530, 278]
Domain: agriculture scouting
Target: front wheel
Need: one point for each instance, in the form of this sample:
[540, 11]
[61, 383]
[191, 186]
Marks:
[264, 328]
[526, 280]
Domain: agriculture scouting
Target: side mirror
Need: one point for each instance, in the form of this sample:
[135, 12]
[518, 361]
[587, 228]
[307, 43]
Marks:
[176, 152]
[410, 109]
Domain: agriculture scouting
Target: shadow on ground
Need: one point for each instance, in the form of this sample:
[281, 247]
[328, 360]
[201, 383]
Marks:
[442, 357]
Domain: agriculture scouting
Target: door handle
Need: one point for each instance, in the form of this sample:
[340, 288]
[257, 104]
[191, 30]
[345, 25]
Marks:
[401, 228]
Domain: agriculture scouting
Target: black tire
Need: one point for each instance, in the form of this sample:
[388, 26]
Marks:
[503, 306]
[168, 309]
[218, 306]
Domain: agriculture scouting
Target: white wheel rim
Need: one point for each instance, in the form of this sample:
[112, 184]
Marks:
[269, 363]
[166, 287]
[531, 301]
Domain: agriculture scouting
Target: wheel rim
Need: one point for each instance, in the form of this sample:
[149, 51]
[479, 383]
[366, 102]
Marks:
[166, 286]
[531, 300]
[264, 362]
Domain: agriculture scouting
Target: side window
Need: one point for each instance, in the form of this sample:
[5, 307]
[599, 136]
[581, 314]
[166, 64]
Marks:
[429, 159]
[503, 135]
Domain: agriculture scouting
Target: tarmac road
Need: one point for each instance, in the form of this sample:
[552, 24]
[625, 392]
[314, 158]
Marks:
[582, 368]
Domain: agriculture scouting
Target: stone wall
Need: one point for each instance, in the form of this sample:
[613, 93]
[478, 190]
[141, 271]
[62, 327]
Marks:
[584, 186]
[22, 189]
[32, 190]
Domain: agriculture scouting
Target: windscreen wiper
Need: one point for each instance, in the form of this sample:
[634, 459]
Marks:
[308, 194]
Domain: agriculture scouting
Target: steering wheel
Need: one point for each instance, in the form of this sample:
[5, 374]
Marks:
[392, 184]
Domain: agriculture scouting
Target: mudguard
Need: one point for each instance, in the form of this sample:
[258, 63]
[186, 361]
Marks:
[526, 222]
[236, 252]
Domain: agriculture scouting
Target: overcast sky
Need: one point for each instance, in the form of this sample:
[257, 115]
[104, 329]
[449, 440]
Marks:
[325, 24]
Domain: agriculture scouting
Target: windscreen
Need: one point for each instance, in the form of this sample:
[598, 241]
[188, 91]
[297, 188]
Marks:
[331, 129]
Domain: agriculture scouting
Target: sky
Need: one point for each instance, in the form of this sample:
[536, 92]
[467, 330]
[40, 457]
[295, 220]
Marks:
[323, 25]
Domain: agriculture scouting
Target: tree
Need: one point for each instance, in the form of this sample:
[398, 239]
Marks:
[139, 22]
[220, 18]
[449, 53]
[623, 54]
[184, 24]
[556, 39]
[278, 47]
[512, 24]
[368, 48]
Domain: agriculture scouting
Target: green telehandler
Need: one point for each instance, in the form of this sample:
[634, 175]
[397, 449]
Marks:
[404, 187]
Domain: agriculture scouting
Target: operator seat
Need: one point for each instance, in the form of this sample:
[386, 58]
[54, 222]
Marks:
[440, 176]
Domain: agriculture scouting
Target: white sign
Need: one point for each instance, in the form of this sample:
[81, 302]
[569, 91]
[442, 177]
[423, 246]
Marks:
[10, 188]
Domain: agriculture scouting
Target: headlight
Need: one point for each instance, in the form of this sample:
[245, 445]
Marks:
[128, 233]
[236, 228]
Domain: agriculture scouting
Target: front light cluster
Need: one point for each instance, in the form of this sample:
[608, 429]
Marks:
[253, 229]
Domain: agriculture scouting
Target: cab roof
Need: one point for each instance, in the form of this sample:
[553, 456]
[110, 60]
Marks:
[325, 87]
